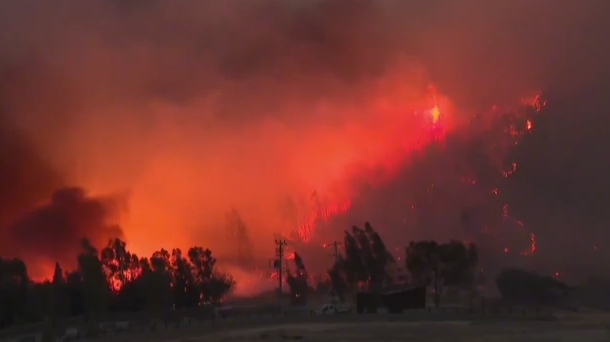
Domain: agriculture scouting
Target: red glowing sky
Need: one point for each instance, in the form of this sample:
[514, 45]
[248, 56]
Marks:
[186, 109]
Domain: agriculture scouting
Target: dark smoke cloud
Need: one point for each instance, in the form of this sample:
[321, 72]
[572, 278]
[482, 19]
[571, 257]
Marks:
[54, 231]
[25, 178]
[41, 220]
[232, 90]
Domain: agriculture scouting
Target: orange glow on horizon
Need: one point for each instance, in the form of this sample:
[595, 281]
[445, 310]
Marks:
[300, 121]
[183, 183]
[322, 164]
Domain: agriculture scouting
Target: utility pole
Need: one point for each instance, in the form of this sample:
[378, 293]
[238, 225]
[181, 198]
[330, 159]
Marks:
[336, 250]
[336, 256]
[279, 263]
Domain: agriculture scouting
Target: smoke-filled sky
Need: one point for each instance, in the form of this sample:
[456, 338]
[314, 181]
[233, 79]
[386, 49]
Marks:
[168, 113]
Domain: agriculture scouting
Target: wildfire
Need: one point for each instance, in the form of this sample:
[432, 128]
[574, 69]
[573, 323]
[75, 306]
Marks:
[320, 214]
[322, 211]
[421, 126]
[534, 101]
[533, 241]
[435, 114]
[512, 170]
[519, 125]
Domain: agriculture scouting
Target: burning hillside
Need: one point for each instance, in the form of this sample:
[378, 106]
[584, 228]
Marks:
[451, 184]
[304, 116]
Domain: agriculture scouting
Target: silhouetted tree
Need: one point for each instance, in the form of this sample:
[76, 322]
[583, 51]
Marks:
[185, 291]
[339, 284]
[116, 261]
[40, 300]
[157, 278]
[459, 265]
[353, 265]
[211, 284]
[76, 293]
[218, 285]
[203, 263]
[59, 296]
[112, 280]
[57, 302]
[240, 236]
[366, 258]
[422, 261]
[324, 286]
[131, 295]
[96, 291]
[369, 267]
[14, 282]
[298, 282]
[380, 257]
[439, 265]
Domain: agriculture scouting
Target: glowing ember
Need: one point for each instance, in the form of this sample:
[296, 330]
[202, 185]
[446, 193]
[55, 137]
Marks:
[435, 114]
[533, 240]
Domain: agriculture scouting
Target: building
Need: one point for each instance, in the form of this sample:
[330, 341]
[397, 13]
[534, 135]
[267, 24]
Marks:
[395, 298]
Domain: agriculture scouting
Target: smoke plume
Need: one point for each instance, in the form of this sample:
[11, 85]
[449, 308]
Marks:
[194, 107]
[41, 219]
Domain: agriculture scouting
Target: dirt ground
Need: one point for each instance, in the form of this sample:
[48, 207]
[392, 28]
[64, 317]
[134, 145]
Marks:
[421, 325]
[565, 327]
[413, 331]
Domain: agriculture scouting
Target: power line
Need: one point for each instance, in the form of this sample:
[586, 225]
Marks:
[336, 256]
[279, 262]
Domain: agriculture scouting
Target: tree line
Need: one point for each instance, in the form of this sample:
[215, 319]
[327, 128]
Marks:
[366, 265]
[112, 280]
[115, 280]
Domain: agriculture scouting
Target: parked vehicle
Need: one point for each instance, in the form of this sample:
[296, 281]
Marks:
[332, 309]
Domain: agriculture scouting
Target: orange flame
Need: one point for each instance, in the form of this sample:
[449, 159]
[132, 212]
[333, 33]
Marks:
[435, 114]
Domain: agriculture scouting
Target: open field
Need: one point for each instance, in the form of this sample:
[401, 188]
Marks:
[413, 331]
[447, 324]
[384, 328]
